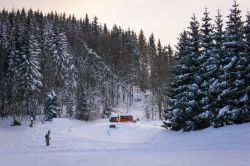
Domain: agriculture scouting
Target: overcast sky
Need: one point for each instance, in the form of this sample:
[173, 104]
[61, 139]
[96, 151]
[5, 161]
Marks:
[165, 18]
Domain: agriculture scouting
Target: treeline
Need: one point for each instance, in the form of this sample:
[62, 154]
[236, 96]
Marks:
[53, 61]
[211, 86]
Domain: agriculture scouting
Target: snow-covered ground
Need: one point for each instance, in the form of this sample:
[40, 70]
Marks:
[77, 143]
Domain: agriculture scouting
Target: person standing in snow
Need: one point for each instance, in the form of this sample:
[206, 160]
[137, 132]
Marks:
[47, 138]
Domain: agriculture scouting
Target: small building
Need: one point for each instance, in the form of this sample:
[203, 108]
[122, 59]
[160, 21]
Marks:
[126, 118]
[122, 118]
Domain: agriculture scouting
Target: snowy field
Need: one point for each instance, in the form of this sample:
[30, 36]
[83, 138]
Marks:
[80, 143]
[145, 143]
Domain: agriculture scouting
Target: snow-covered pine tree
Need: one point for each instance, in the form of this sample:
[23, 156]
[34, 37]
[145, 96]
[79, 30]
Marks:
[247, 44]
[193, 93]
[215, 64]
[232, 80]
[7, 43]
[203, 118]
[178, 114]
[82, 107]
[2, 73]
[14, 71]
[70, 90]
[68, 73]
[51, 107]
[243, 114]
[30, 67]
[50, 61]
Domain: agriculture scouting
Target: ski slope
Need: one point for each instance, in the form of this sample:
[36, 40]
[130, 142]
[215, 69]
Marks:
[80, 143]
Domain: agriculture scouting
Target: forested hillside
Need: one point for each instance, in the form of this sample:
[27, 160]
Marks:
[53, 62]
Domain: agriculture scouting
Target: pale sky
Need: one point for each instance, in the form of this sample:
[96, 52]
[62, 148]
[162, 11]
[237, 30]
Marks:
[165, 18]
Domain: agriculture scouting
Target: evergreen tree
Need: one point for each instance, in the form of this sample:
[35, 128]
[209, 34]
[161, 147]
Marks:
[168, 63]
[51, 108]
[215, 69]
[232, 79]
[194, 94]
[82, 107]
[135, 59]
[247, 52]
[95, 34]
[186, 93]
[179, 85]
[70, 84]
[30, 69]
[14, 79]
[152, 61]
[2, 60]
[202, 120]
[7, 50]
[144, 61]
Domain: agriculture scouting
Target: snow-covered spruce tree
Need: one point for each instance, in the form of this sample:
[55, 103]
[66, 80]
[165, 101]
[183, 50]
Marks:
[215, 64]
[193, 93]
[30, 69]
[247, 44]
[245, 100]
[7, 50]
[2, 73]
[70, 91]
[178, 114]
[232, 79]
[206, 60]
[55, 58]
[186, 93]
[14, 81]
[68, 74]
[82, 107]
[51, 107]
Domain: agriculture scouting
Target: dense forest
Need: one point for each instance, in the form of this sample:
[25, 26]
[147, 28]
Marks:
[53, 63]
[211, 86]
